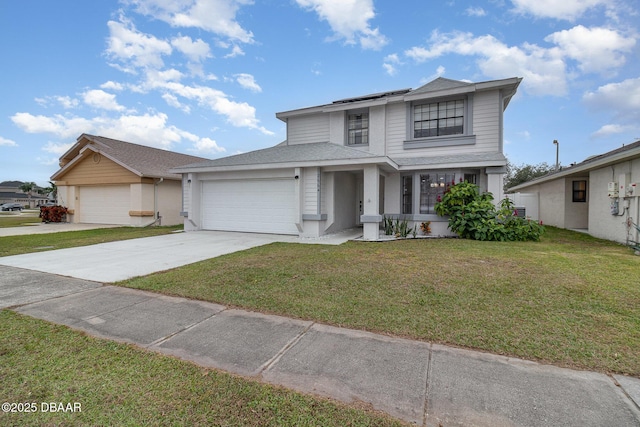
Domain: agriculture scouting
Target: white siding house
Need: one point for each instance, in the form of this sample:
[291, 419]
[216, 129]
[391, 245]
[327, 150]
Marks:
[353, 161]
[598, 195]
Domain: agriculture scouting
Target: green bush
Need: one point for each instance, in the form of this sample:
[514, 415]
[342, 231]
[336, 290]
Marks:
[474, 216]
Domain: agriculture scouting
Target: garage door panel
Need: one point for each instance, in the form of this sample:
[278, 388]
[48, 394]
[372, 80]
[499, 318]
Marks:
[250, 205]
[105, 204]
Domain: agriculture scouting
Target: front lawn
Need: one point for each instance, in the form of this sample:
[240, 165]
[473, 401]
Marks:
[14, 219]
[120, 385]
[570, 299]
[16, 245]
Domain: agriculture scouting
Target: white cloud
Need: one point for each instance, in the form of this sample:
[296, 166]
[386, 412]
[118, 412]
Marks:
[543, 69]
[147, 129]
[134, 49]
[207, 145]
[62, 126]
[7, 142]
[349, 20]
[67, 102]
[566, 9]
[57, 148]
[622, 99]
[98, 98]
[174, 102]
[611, 129]
[196, 51]
[235, 51]
[110, 85]
[475, 11]
[247, 81]
[439, 72]
[595, 49]
[390, 64]
[49, 161]
[216, 16]
[239, 114]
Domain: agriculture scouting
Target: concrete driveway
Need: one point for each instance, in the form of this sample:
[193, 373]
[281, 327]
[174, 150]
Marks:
[114, 261]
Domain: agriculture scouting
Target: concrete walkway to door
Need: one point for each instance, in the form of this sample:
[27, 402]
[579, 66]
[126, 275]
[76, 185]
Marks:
[121, 260]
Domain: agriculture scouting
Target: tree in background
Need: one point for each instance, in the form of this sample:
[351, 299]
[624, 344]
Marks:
[519, 174]
[51, 191]
[28, 188]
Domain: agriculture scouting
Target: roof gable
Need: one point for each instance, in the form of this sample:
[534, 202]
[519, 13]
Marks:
[439, 84]
[143, 161]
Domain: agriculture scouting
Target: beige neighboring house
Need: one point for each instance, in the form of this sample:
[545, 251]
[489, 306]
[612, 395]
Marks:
[600, 195]
[106, 181]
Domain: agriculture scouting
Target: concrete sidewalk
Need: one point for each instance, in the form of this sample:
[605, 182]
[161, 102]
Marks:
[425, 384]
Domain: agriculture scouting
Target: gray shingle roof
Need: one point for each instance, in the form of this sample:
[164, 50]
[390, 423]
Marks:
[317, 152]
[144, 161]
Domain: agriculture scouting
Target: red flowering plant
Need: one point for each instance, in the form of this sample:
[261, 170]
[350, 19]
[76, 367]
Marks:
[53, 213]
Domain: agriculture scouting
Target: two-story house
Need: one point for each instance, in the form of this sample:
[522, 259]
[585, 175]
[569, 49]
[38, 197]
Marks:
[351, 162]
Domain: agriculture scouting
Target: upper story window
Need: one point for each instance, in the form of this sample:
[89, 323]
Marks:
[438, 119]
[358, 128]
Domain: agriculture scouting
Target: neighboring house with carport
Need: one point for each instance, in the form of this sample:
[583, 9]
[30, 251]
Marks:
[353, 161]
[599, 195]
[107, 181]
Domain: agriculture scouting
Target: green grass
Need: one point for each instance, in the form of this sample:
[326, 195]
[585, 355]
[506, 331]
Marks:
[12, 219]
[118, 384]
[16, 245]
[570, 299]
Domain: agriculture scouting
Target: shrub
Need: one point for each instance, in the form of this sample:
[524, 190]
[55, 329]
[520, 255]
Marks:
[398, 228]
[53, 213]
[474, 216]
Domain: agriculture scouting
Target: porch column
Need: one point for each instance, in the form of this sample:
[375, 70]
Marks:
[371, 218]
[495, 182]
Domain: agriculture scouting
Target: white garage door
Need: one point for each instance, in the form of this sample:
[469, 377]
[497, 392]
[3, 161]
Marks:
[250, 205]
[105, 205]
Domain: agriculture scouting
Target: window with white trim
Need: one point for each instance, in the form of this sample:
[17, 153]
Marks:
[421, 190]
[407, 194]
[432, 188]
[358, 128]
[438, 119]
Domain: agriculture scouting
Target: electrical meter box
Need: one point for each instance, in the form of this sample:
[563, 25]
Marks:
[613, 189]
[632, 190]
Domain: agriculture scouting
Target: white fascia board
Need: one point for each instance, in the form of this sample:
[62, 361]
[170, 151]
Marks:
[354, 105]
[287, 165]
[283, 115]
[457, 165]
[73, 161]
[499, 84]
[440, 93]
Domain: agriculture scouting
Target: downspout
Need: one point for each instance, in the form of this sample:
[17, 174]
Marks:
[158, 218]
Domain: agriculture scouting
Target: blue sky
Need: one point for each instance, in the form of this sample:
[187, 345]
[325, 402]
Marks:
[206, 77]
